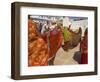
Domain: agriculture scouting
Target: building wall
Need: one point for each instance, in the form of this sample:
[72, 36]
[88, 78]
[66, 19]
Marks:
[81, 23]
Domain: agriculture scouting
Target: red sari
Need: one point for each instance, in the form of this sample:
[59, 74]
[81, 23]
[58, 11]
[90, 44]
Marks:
[55, 41]
[84, 49]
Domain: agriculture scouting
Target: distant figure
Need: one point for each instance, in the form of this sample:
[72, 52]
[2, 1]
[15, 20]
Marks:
[53, 25]
[45, 27]
[40, 27]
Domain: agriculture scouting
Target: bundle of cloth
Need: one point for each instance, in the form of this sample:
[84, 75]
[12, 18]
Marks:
[71, 38]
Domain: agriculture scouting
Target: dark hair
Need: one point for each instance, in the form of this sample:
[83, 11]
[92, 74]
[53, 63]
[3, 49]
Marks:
[86, 31]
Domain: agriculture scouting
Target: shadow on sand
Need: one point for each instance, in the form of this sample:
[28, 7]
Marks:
[77, 56]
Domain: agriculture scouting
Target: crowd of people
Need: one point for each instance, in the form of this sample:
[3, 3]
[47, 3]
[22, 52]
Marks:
[52, 35]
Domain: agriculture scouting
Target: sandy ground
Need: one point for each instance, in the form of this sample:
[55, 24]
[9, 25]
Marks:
[72, 56]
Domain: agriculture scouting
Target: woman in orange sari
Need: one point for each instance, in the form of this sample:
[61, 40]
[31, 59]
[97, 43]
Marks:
[38, 51]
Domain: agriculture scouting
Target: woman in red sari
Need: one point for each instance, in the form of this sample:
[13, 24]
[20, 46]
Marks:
[84, 48]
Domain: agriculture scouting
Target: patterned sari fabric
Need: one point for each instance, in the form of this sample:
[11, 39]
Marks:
[38, 51]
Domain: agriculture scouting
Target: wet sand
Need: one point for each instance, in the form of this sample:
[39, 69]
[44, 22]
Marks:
[72, 56]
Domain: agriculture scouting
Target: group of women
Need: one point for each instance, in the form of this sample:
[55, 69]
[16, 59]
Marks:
[44, 39]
